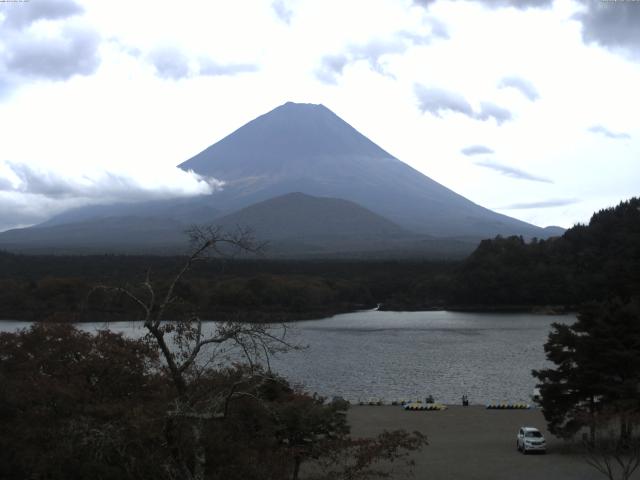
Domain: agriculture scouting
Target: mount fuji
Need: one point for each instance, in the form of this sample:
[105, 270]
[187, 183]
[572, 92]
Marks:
[303, 179]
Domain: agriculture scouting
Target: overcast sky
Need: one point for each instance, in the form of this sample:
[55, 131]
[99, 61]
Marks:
[528, 107]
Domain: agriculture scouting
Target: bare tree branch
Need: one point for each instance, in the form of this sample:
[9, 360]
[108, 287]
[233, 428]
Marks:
[181, 343]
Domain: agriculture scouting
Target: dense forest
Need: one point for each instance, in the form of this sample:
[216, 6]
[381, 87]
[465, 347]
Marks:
[589, 262]
[58, 287]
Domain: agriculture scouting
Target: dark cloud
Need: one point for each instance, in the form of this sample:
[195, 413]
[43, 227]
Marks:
[282, 11]
[437, 100]
[608, 133]
[25, 54]
[74, 52]
[476, 150]
[512, 171]
[170, 63]
[22, 14]
[523, 86]
[612, 24]
[556, 202]
[209, 67]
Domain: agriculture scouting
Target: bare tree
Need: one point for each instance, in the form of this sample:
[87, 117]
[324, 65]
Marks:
[615, 450]
[189, 350]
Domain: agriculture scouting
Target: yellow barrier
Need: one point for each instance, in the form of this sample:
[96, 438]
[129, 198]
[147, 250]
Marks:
[508, 406]
[415, 406]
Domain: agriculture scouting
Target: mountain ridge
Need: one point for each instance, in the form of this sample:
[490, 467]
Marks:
[303, 148]
[329, 158]
[294, 225]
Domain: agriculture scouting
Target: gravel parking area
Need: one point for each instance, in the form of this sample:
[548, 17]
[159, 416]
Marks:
[475, 443]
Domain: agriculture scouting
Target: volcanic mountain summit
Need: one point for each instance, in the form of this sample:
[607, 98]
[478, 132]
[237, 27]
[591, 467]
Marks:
[336, 174]
[307, 148]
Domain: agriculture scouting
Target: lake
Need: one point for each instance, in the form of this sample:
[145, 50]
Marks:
[398, 355]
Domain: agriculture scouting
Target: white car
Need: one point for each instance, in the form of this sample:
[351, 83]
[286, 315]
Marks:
[530, 440]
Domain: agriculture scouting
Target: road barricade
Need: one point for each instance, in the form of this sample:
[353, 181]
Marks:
[415, 406]
[508, 406]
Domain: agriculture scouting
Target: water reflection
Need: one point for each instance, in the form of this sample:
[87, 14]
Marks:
[393, 355]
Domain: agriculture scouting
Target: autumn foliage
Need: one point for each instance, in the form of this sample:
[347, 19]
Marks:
[77, 405]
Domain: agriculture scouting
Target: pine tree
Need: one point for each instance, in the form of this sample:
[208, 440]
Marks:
[597, 369]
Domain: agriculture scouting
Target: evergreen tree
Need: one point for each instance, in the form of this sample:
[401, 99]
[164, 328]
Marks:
[597, 369]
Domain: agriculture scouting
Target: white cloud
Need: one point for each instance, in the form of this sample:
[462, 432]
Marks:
[512, 172]
[26, 13]
[209, 67]
[608, 133]
[519, 4]
[476, 150]
[332, 66]
[522, 85]
[104, 184]
[33, 193]
[491, 110]
[282, 10]
[170, 62]
[551, 203]
[437, 101]
[110, 104]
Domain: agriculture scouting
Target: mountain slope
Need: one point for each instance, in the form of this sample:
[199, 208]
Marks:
[297, 215]
[300, 225]
[100, 235]
[186, 210]
[294, 225]
[307, 148]
[294, 148]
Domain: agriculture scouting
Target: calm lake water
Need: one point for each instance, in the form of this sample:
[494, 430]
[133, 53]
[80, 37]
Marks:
[397, 355]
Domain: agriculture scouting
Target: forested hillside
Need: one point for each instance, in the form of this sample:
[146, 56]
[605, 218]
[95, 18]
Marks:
[57, 287]
[589, 262]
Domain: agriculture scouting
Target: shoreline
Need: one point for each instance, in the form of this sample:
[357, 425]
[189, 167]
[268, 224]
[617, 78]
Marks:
[293, 317]
[537, 309]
